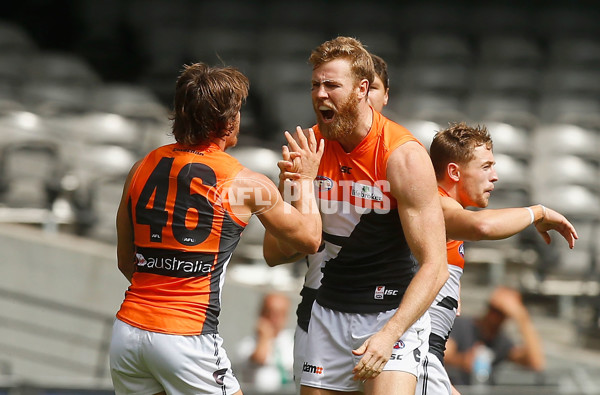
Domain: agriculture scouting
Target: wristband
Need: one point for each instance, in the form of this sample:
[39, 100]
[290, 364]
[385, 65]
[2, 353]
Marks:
[543, 212]
[532, 214]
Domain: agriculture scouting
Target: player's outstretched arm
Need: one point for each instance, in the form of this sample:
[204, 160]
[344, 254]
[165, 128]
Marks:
[496, 224]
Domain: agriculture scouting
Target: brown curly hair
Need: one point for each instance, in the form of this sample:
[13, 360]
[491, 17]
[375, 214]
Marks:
[207, 100]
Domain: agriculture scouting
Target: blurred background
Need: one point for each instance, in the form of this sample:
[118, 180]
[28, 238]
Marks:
[85, 90]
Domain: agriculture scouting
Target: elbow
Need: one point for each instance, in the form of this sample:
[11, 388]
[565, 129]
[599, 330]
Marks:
[482, 231]
[271, 259]
[312, 245]
[443, 275]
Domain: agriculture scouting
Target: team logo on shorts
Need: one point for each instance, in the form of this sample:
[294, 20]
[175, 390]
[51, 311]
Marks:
[399, 345]
[219, 375]
[461, 250]
[312, 368]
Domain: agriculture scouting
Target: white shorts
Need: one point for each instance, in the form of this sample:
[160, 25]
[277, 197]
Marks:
[433, 378]
[144, 363]
[300, 341]
[332, 335]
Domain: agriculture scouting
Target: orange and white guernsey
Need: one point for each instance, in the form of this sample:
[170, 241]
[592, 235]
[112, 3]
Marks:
[184, 234]
[443, 310]
[367, 264]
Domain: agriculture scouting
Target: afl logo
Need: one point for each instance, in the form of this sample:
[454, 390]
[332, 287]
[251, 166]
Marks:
[323, 183]
[399, 345]
[461, 250]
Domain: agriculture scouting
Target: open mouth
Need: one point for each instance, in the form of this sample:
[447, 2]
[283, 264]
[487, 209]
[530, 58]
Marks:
[327, 113]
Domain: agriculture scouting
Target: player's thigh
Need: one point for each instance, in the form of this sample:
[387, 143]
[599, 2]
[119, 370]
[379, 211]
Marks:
[128, 369]
[191, 364]
[392, 383]
[433, 378]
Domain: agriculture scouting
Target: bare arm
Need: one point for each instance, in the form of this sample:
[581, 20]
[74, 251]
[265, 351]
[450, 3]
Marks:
[495, 224]
[299, 227]
[125, 246]
[530, 352]
[413, 184]
[265, 337]
[276, 251]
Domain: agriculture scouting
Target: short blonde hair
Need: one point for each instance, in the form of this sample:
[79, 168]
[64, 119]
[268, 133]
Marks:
[361, 63]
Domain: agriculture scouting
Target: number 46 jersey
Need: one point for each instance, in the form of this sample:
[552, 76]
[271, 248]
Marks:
[184, 235]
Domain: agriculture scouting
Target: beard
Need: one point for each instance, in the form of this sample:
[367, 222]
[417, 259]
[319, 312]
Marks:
[344, 122]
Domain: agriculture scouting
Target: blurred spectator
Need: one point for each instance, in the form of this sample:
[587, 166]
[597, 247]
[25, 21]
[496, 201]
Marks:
[472, 337]
[266, 358]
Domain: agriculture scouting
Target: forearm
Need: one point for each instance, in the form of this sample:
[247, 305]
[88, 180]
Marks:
[262, 351]
[418, 297]
[302, 198]
[306, 204]
[277, 252]
[493, 224]
[532, 345]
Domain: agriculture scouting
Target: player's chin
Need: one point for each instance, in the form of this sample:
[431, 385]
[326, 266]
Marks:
[485, 201]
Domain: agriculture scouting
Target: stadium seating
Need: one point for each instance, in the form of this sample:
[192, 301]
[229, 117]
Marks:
[68, 136]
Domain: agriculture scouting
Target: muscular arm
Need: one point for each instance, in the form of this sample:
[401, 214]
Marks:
[413, 184]
[302, 165]
[496, 224]
[277, 252]
[298, 225]
[125, 246]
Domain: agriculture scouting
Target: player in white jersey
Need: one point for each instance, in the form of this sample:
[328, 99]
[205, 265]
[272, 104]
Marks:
[463, 160]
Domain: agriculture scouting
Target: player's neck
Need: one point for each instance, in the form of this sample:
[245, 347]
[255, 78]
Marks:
[451, 188]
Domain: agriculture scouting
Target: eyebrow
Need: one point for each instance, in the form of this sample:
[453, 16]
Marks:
[329, 80]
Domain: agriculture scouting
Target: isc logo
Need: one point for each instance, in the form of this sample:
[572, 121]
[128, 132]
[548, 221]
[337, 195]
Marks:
[381, 292]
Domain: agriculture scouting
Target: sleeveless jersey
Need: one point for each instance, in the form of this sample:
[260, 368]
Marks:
[184, 235]
[443, 310]
[312, 281]
[367, 264]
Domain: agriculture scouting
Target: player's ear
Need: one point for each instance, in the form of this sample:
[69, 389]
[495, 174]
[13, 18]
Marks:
[453, 171]
[363, 88]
